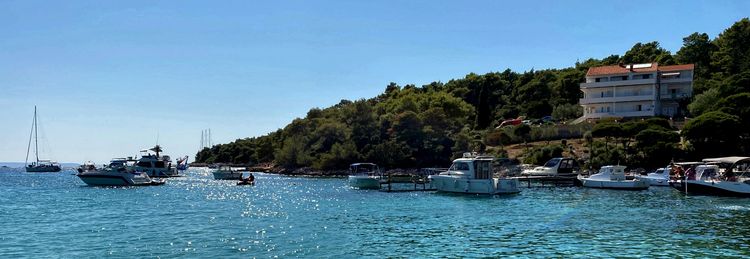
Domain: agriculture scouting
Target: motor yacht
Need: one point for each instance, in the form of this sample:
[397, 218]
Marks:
[559, 166]
[723, 176]
[612, 177]
[117, 173]
[156, 165]
[364, 176]
[226, 172]
[473, 174]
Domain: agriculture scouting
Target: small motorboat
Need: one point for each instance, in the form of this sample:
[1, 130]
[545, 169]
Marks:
[227, 173]
[559, 166]
[723, 176]
[117, 173]
[364, 176]
[660, 177]
[473, 174]
[246, 183]
[612, 177]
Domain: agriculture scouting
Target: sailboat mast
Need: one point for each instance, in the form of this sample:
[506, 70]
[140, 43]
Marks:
[36, 138]
[31, 134]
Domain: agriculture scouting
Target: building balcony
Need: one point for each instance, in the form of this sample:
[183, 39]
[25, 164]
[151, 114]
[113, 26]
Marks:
[631, 98]
[676, 80]
[619, 83]
[599, 115]
[668, 96]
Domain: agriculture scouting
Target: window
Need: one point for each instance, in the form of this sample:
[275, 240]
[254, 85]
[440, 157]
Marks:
[597, 80]
[460, 166]
[144, 164]
[624, 78]
[646, 76]
[638, 107]
[159, 164]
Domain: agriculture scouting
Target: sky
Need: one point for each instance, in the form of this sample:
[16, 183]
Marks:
[113, 77]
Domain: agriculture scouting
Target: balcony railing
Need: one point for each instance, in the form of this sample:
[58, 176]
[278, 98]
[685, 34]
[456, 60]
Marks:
[631, 98]
[597, 115]
[619, 83]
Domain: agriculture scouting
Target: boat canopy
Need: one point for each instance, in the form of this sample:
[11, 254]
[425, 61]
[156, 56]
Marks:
[727, 160]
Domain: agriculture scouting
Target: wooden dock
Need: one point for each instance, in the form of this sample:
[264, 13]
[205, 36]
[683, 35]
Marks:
[548, 181]
[405, 183]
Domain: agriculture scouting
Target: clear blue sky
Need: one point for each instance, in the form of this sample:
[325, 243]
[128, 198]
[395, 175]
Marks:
[108, 76]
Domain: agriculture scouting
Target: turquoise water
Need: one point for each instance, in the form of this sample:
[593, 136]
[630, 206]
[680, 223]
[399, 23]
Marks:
[53, 215]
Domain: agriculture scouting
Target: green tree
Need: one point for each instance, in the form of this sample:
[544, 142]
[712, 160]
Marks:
[713, 134]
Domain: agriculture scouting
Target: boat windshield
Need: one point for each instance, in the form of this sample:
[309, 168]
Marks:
[460, 166]
[552, 162]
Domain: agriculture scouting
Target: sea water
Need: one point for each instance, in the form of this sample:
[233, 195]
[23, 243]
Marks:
[57, 215]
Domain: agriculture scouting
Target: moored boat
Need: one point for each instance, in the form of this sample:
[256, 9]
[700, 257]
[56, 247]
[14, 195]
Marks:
[612, 177]
[474, 175]
[559, 166]
[659, 177]
[723, 176]
[364, 176]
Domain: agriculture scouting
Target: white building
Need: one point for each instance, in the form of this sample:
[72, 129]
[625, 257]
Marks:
[638, 90]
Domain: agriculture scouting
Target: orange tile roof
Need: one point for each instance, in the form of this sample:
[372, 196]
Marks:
[677, 67]
[617, 69]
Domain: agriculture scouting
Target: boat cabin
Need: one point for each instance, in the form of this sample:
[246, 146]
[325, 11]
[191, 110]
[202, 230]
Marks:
[478, 167]
[364, 169]
[611, 172]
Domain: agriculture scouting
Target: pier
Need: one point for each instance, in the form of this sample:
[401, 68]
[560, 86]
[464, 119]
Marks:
[409, 181]
[548, 181]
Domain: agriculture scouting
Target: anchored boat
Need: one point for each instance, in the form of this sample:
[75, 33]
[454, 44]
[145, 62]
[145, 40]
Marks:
[723, 176]
[612, 177]
[40, 165]
[226, 172]
[473, 174]
[117, 173]
[156, 165]
[660, 177]
[364, 176]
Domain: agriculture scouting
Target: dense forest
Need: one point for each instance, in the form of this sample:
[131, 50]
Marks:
[424, 126]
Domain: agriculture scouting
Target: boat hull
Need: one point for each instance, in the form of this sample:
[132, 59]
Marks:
[95, 179]
[364, 182]
[450, 184]
[615, 185]
[709, 188]
[222, 175]
[655, 181]
[43, 169]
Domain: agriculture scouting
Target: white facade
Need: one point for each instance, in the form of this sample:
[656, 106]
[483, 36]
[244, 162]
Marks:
[647, 90]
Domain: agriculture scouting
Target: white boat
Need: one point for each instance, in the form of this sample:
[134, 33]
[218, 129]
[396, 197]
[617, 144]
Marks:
[117, 173]
[612, 177]
[40, 165]
[364, 176]
[473, 174]
[227, 173]
[660, 177]
[723, 176]
[558, 166]
[156, 165]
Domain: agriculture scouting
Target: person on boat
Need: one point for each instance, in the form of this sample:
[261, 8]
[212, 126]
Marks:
[690, 173]
[250, 179]
[729, 176]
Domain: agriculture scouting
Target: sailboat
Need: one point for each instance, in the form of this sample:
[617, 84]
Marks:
[40, 165]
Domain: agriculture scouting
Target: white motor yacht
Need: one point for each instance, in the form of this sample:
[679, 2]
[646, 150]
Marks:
[612, 177]
[364, 176]
[117, 173]
[660, 177]
[559, 166]
[723, 176]
[227, 173]
[156, 165]
[473, 174]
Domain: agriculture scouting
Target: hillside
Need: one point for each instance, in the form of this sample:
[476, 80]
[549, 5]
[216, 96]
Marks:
[426, 126]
